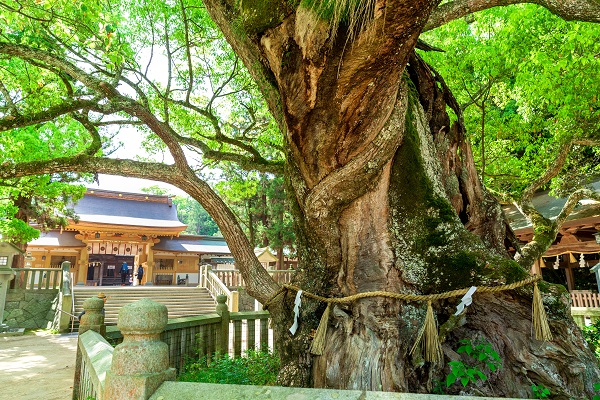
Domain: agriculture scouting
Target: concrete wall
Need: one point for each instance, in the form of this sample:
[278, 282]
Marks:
[30, 309]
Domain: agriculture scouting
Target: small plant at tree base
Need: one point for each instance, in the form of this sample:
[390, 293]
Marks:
[483, 356]
[256, 368]
[438, 387]
[596, 388]
[540, 391]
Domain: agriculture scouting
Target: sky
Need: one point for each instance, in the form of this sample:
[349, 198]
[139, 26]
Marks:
[130, 148]
[131, 185]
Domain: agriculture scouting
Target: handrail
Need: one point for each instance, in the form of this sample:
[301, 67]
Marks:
[96, 359]
[209, 280]
[72, 304]
[198, 336]
[232, 277]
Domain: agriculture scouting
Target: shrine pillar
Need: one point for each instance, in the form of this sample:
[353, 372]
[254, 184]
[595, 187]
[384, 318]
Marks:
[82, 270]
[150, 262]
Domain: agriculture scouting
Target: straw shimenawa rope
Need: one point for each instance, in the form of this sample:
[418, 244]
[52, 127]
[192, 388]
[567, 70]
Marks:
[428, 333]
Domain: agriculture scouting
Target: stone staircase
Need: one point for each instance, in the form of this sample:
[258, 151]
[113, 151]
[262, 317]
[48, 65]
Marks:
[180, 301]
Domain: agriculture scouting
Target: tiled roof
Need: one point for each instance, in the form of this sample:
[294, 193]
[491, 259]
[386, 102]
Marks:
[56, 238]
[127, 209]
[194, 244]
[550, 207]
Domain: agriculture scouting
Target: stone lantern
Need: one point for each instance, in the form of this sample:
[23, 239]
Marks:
[7, 252]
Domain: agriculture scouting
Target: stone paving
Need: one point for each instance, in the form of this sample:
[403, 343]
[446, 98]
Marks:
[37, 366]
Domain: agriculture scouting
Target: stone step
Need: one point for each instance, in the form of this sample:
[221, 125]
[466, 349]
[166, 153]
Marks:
[180, 301]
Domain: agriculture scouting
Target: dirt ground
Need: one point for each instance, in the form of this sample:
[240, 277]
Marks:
[37, 366]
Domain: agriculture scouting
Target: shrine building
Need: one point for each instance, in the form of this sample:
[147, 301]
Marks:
[139, 229]
[573, 259]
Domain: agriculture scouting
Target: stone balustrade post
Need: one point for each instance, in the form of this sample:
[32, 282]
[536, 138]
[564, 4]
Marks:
[63, 317]
[223, 335]
[93, 316]
[66, 278]
[140, 364]
[92, 319]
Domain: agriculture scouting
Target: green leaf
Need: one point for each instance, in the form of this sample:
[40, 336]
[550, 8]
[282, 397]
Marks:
[481, 375]
[450, 379]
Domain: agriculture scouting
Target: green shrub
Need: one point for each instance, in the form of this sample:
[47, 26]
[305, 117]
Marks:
[255, 368]
[482, 356]
[592, 336]
[540, 391]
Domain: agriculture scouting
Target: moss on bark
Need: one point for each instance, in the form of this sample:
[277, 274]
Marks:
[259, 15]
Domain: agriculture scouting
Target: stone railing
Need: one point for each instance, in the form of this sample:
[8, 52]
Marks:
[581, 314]
[222, 332]
[214, 391]
[136, 367]
[96, 358]
[585, 306]
[37, 278]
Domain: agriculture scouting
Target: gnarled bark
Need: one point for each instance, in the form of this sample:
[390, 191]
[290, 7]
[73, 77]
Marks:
[387, 198]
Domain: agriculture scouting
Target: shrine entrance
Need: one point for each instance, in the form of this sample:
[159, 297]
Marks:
[103, 269]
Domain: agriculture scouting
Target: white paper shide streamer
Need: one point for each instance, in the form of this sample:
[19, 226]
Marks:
[297, 303]
[465, 301]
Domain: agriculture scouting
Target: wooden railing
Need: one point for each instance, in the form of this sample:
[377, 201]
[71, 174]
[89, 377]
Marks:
[209, 280]
[96, 358]
[194, 337]
[585, 306]
[233, 277]
[585, 299]
[37, 278]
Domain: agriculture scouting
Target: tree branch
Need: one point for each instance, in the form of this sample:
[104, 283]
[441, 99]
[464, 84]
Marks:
[12, 109]
[570, 10]
[29, 53]
[552, 170]
[69, 106]
[260, 283]
[96, 144]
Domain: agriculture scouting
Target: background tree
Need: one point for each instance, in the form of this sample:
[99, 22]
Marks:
[529, 131]
[259, 201]
[190, 212]
[384, 188]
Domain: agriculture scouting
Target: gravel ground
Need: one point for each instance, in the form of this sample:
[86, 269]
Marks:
[37, 366]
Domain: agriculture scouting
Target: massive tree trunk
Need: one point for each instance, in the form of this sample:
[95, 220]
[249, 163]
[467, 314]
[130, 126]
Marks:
[387, 198]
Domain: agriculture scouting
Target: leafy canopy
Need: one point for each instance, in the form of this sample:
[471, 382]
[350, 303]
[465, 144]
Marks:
[526, 90]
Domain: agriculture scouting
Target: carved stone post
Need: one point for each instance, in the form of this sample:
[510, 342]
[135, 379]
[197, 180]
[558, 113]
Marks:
[92, 319]
[223, 336]
[66, 299]
[141, 363]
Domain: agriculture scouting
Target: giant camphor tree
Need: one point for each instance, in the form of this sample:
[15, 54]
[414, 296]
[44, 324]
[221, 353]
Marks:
[381, 178]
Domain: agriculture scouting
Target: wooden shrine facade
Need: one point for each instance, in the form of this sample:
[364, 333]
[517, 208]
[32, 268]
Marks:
[573, 259]
[116, 227]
